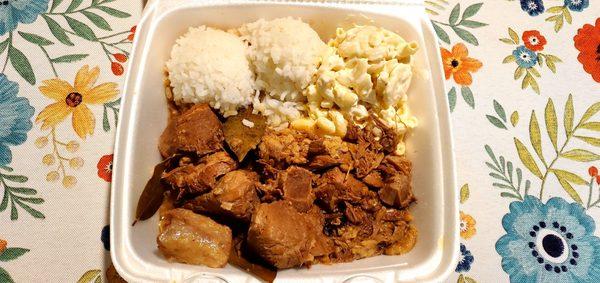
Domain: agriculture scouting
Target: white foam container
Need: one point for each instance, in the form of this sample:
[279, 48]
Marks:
[144, 116]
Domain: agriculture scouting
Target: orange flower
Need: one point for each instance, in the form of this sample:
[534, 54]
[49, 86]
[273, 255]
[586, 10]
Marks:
[459, 65]
[3, 245]
[587, 41]
[534, 40]
[467, 226]
[73, 99]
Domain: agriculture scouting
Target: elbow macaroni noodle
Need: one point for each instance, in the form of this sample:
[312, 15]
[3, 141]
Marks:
[365, 71]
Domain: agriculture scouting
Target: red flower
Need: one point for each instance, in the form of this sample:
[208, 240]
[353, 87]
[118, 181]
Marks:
[587, 41]
[116, 68]
[120, 57]
[598, 179]
[105, 167]
[132, 34]
[534, 40]
[3, 245]
[593, 171]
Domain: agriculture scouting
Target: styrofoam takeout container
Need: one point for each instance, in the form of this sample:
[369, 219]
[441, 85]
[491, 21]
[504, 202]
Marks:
[144, 116]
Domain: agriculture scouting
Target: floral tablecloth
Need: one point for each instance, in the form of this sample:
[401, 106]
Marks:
[523, 81]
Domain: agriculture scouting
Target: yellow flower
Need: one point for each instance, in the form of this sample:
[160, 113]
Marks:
[467, 226]
[73, 99]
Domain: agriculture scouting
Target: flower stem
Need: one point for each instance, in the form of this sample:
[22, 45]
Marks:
[49, 60]
[558, 154]
[113, 35]
[590, 194]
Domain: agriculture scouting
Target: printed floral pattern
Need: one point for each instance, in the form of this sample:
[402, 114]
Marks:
[550, 242]
[8, 254]
[23, 11]
[532, 7]
[562, 13]
[527, 56]
[15, 120]
[467, 226]
[73, 100]
[465, 260]
[587, 41]
[105, 167]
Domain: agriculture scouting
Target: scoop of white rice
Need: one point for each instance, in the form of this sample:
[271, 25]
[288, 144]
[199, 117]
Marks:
[285, 53]
[211, 66]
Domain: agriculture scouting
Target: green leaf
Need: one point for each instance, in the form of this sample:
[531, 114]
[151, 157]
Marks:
[580, 155]
[513, 35]
[35, 39]
[592, 126]
[464, 193]
[552, 58]
[555, 9]
[509, 195]
[540, 59]
[551, 66]
[12, 254]
[509, 59]
[469, 280]
[74, 4]
[55, 4]
[590, 112]
[68, 58]
[97, 20]
[471, 10]
[507, 41]
[559, 23]
[21, 64]
[454, 15]
[442, 35]
[569, 116]
[535, 136]
[105, 123]
[32, 200]
[89, 276]
[569, 189]
[534, 71]
[14, 214]
[113, 12]
[15, 178]
[452, 98]
[499, 110]
[590, 140]
[472, 24]
[465, 279]
[527, 159]
[4, 203]
[567, 16]
[495, 121]
[519, 72]
[23, 191]
[514, 118]
[5, 277]
[526, 81]
[534, 85]
[468, 96]
[81, 29]
[551, 123]
[3, 45]
[30, 210]
[466, 35]
[57, 31]
[570, 177]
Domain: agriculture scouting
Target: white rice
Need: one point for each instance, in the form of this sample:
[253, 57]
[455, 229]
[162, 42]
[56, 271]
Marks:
[284, 53]
[211, 66]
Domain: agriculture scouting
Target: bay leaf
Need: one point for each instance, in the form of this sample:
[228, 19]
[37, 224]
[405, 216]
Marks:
[242, 138]
[153, 194]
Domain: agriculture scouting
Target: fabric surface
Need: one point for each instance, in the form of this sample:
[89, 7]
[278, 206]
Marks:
[522, 78]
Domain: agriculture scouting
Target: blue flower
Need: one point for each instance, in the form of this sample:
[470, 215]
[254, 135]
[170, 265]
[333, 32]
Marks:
[466, 259]
[15, 118]
[532, 7]
[525, 57]
[105, 237]
[577, 5]
[552, 242]
[13, 12]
